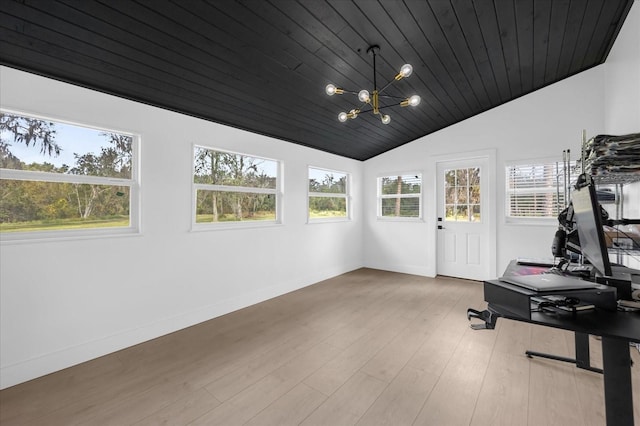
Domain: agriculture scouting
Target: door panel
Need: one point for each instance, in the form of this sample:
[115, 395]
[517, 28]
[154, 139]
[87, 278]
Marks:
[473, 249]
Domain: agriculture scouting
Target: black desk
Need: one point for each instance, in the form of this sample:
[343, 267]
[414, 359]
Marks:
[616, 328]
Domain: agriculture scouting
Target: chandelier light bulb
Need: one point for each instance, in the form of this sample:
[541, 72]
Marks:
[373, 101]
[363, 96]
[414, 100]
[406, 70]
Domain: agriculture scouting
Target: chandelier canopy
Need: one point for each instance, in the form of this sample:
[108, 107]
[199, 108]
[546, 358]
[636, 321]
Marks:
[372, 99]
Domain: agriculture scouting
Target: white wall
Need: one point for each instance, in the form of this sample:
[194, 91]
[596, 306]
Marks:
[64, 302]
[536, 126]
[622, 78]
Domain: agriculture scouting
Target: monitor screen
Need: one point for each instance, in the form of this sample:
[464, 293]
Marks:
[589, 223]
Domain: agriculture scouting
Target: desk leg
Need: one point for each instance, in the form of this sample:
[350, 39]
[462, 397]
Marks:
[583, 358]
[618, 398]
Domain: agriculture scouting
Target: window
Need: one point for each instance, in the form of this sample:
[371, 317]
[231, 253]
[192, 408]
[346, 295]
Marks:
[535, 190]
[232, 188]
[328, 194]
[462, 195]
[400, 196]
[60, 179]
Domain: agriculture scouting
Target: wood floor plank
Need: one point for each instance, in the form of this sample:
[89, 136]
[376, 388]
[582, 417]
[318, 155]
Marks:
[401, 401]
[183, 410]
[250, 372]
[438, 348]
[347, 405]
[503, 397]
[388, 362]
[32, 400]
[590, 394]
[290, 409]
[426, 317]
[339, 370]
[453, 399]
[553, 396]
[368, 347]
[248, 403]
[514, 337]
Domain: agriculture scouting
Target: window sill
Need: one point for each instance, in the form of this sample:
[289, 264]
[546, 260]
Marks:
[328, 220]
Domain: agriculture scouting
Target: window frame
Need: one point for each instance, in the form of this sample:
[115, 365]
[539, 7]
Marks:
[380, 197]
[533, 220]
[212, 226]
[346, 195]
[133, 183]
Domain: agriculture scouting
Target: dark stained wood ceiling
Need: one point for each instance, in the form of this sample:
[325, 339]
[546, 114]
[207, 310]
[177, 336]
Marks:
[263, 65]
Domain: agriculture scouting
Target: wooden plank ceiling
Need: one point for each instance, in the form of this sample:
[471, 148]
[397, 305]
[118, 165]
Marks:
[263, 65]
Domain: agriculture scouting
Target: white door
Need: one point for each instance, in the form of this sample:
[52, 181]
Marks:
[463, 236]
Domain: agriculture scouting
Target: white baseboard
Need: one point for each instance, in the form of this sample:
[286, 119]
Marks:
[423, 271]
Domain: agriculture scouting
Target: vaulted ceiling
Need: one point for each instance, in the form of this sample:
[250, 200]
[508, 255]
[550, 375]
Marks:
[263, 65]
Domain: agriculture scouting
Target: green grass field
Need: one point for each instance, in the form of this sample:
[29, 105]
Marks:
[320, 214]
[64, 224]
[258, 216]
[123, 221]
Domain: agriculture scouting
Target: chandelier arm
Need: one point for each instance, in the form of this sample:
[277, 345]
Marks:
[362, 108]
[392, 97]
[386, 85]
[388, 106]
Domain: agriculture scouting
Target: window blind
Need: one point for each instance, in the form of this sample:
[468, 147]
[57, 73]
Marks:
[400, 196]
[535, 190]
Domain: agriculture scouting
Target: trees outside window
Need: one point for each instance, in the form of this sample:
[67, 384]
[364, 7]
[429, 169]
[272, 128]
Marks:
[328, 194]
[462, 195]
[400, 196]
[232, 188]
[60, 179]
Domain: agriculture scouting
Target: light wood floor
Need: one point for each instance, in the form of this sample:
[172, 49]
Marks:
[367, 348]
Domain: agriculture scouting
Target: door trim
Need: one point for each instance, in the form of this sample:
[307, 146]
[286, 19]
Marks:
[431, 213]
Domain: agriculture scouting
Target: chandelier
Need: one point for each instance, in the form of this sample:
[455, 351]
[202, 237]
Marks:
[372, 100]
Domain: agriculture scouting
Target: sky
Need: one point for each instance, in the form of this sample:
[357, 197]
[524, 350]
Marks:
[71, 139]
[82, 140]
[319, 174]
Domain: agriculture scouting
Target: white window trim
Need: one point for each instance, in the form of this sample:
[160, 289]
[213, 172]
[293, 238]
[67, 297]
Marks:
[519, 220]
[216, 226]
[133, 183]
[380, 197]
[346, 196]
